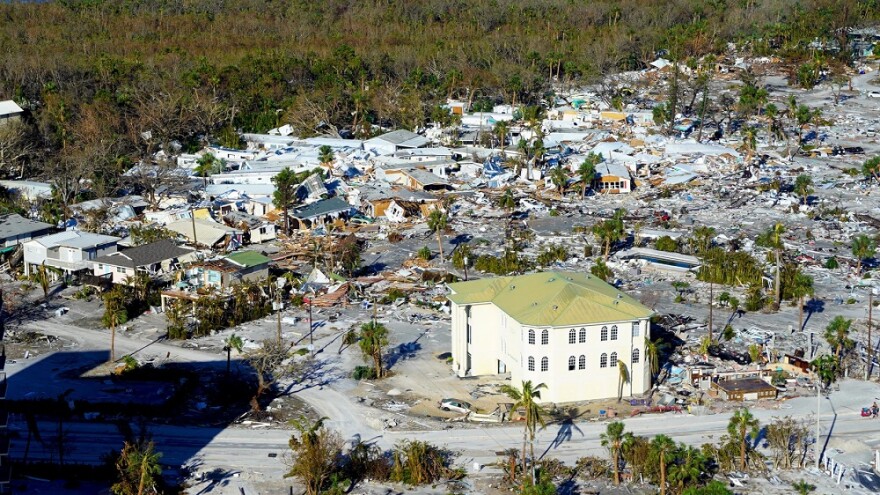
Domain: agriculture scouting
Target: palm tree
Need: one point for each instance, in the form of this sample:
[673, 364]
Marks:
[777, 244]
[587, 171]
[803, 186]
[230, 343]
[115, 314]
[42, 277]
[622, 379]
[837, 335]
[559, 179]
[863, 247]
[285, 193]
[501, 128]
[140, 283]
[437, 222]
[613, 439]
[526, 398]
[205, 166]
[749, 142]
[741, 425]
[610, 231]
[373, 339]
[662, 445]
[652, 355]
[325, 155]
[801, 289]
[701, 241]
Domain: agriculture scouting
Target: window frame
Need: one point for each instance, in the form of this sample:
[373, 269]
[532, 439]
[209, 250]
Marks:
[531, 363]
[531, 336]
[572, 336]
[582, 336]
[603, 334]
[636, 356]
[545, 364]
[613, 360]
[582, 362]
[603, 360]
[572, 363]
[614, 332]
[545, 337]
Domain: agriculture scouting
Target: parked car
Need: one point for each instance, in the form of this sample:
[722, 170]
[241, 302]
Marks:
[873, 94]
[455, 405]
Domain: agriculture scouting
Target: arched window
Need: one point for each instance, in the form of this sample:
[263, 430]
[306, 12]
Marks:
[603, 335]
[613, 359]
[571, 363]
[582, 336]
[603, 360]
[614, 332]
[531, 363]
[635, 359]
[545, 364]
[582, 362]
[572, 336]
[532, 337]
[545, 337]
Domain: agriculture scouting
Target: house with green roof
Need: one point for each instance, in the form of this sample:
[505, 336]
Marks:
[228, 270]
[571, 331]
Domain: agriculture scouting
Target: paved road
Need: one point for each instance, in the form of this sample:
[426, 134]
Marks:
[248, 449]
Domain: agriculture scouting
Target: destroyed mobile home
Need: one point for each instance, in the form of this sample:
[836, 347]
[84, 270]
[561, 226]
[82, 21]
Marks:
[629, 261]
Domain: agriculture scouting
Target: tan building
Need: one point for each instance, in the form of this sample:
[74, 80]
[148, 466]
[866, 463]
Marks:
[566, 330]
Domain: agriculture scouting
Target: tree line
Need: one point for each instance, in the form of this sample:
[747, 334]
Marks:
[106, 83]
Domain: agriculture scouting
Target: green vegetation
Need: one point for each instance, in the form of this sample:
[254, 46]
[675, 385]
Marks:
[373, 341]
[666, 243]
[552, 254]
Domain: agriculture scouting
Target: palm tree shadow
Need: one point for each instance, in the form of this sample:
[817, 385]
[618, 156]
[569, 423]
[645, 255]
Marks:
[565, 433]
[812, 306]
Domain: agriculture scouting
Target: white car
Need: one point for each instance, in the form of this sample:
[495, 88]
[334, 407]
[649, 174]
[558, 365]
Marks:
[455, 405]
[531, 205]
[873, 94]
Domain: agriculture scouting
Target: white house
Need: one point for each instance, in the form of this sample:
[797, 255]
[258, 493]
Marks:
[69, 251]
[390, 142]
[156, 258]
[566, 330]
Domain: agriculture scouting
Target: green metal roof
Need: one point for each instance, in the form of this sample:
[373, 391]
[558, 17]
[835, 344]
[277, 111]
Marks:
[552, 299]
[248, 259]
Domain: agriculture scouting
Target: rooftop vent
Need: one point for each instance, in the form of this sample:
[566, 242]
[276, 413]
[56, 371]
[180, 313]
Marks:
[555, 307]
[551, 279]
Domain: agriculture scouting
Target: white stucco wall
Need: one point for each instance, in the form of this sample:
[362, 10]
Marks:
[496, 337]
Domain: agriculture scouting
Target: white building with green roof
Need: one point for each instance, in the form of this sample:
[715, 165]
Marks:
[566, 330]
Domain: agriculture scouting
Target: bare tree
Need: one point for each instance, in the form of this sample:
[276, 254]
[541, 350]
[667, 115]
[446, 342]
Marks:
[16, 146]
[270, 363]
[155, 178]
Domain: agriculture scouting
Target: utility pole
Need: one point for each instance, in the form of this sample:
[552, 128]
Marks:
[711, 301]
[466, 278]
[192, 216]
[818, 407]
[870, 344]
[278, 313]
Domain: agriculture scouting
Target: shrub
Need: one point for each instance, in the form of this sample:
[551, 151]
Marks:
[424, 253]
[666, 243]
[364, 373]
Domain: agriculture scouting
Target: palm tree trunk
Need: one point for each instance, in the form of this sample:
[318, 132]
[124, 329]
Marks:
[742, 454]
[440, 245]
[616, 465]
[777, 281]
[112, 343]
[607, 248]
[662, 473]
[228, 359]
